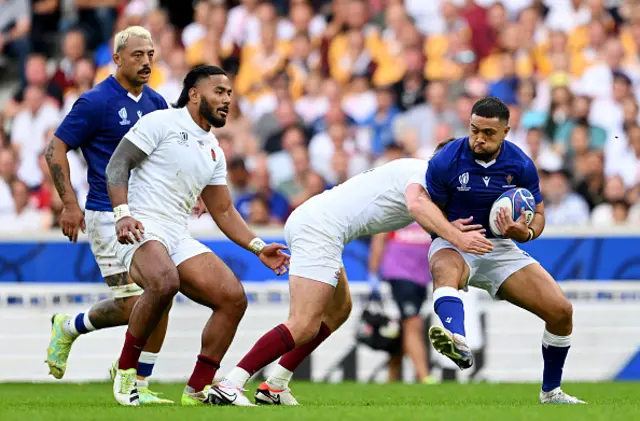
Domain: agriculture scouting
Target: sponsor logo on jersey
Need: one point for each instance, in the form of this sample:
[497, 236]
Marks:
[139, 114]
[123, 117]
[486, 180]
[464, 180]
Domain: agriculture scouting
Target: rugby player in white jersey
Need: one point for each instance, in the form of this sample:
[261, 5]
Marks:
[173, 158]
[379, 200]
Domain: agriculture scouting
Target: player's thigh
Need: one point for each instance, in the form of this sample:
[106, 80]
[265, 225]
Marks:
[207, 280]
[534, 289]
[308, 300]
[151, 267]
[339, 307]
[103, 243]
[448, 266]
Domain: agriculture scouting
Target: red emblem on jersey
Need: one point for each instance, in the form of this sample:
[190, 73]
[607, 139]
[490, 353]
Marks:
[509, 179]
[213, 154]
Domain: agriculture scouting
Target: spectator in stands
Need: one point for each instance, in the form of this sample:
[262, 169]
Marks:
[314, 103]
[177, 69]
[628, 163]
[28, 133]
[301, 166]
[73, 49]
[36, 75]
[608, 112]
[260, 212]
[26, 217]
[197, 29]
[313, 185]
[562, 206]
[409, 91]
[44, 25]
[615, 195]
[540, 150]
[580, 111]
[83, 76]
[422, 119]
[7, 175]
[381, 122]
[271, 126]
[239, 179]
[15, 24]
[280, 164]
[278, 205]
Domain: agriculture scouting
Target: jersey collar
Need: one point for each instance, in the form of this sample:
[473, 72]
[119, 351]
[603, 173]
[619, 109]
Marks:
[121, 89]
[482, 163]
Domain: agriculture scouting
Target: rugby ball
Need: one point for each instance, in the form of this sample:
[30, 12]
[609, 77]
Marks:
[514, 200]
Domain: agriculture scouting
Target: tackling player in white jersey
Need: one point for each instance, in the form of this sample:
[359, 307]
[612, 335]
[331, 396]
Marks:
[383, 199]
[173, 158]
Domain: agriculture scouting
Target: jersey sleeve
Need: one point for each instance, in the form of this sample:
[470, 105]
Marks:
[81, 123]
[162, 103]
[147, 133]
[531, 180]
[418, 177]
[219, 177]
[436, 179]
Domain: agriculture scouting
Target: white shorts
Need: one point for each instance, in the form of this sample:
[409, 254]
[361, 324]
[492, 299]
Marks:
[316, 248]
[489, 271]
[179, 243]
[101, 229]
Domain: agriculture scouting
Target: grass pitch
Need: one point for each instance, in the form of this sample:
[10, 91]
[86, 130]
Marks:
[332, 402]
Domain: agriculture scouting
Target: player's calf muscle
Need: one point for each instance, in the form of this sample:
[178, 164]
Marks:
[111, 312]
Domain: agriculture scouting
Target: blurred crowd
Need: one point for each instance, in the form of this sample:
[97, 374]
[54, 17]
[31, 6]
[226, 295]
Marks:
[327, 89]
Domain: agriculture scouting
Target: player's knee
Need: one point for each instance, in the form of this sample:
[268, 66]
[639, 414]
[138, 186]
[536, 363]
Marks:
[238, 304]
[560, 315]
[445, 272]
[304, 329]
[165, 284]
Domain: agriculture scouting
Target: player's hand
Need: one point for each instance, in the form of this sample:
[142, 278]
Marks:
[72, 221]
[273, 257]
[474, 242]
[129, 229]
[464, 225]
[516, 230]
[199, 209]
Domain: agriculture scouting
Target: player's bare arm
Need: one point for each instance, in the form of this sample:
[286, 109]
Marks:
[71, 218]
[519, 230]
[430, 217]
[126, 157]
[218, 201]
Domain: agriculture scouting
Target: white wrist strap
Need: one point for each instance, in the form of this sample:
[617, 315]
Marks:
[121, 211]
[256, 245]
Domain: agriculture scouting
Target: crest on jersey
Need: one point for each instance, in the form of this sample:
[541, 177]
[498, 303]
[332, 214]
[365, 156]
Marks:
[464, 180]
[183, 138]
[123, 117]
[213, 154]
[509, 179]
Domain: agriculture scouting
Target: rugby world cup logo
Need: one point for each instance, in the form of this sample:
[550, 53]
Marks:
[123, 117]
[464, 180]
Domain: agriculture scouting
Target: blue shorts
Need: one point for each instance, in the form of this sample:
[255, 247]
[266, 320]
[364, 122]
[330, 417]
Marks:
[409, 296]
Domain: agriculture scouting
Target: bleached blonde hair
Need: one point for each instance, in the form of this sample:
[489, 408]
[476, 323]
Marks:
[122, 37]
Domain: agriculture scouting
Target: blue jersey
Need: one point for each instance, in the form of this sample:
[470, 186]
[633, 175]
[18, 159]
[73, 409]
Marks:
[467, 187]
[97, 122]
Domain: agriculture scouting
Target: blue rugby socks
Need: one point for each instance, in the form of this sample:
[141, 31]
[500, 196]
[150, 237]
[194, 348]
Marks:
[449, 307]
[554, 352]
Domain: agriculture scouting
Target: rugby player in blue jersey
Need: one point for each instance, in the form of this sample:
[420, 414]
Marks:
[464, 179]
[97, 122]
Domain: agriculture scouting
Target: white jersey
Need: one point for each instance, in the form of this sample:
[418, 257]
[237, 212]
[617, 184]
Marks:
[371, 202]
[182, 160]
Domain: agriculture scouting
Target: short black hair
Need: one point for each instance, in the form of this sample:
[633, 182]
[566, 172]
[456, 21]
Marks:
[192, 78]
[442, 144]
[491, 107]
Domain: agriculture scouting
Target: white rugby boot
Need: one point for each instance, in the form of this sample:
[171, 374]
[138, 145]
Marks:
[559, 397]
[226, 394]
[269, 395]
[124, 387]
